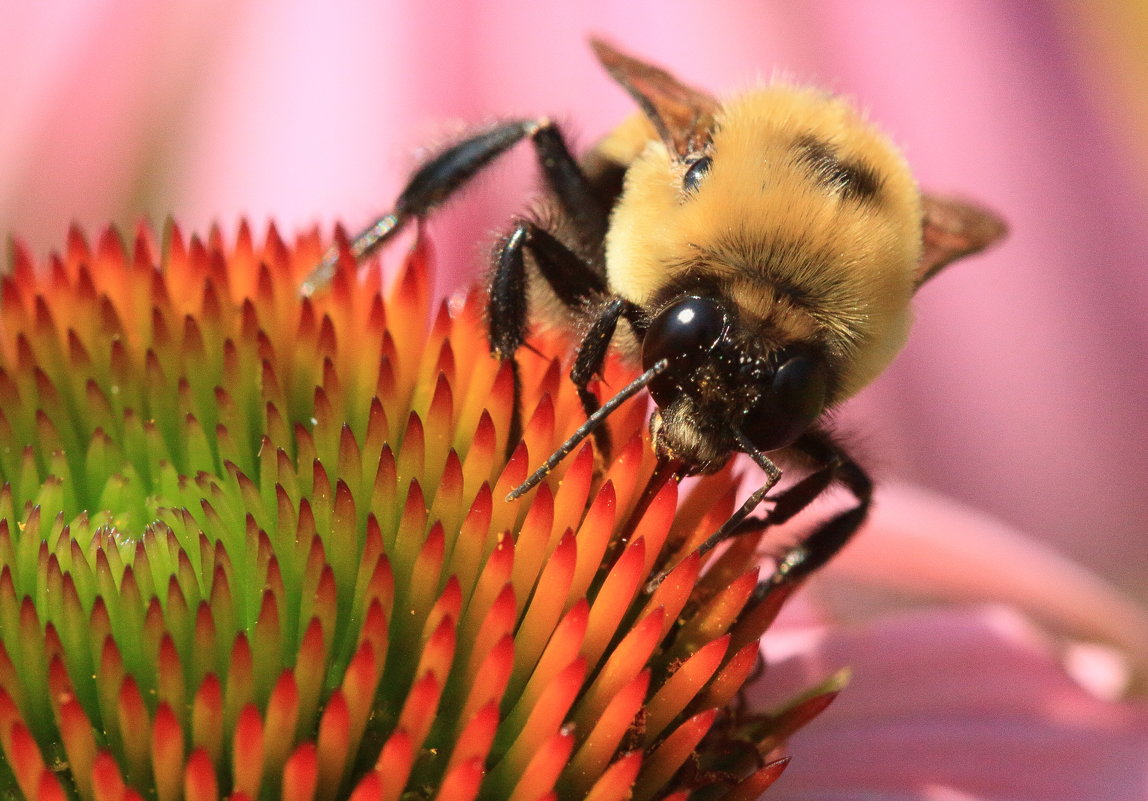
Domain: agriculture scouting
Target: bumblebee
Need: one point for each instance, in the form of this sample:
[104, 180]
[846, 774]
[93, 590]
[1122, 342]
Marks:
[756, 256]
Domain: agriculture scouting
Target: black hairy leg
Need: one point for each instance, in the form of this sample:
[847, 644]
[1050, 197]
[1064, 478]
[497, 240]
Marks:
[591, 356]
[836, 466]
[573, 282]
[448, 171]
[570, 277]
[833, 466]
[430, 185]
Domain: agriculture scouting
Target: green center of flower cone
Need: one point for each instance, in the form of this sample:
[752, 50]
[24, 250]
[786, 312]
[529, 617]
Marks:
[254, 545]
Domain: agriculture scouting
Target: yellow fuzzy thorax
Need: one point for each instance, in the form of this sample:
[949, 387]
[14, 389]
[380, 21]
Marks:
[761, 224]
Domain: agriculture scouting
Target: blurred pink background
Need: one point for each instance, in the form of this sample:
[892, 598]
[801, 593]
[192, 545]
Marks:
[1022, 391]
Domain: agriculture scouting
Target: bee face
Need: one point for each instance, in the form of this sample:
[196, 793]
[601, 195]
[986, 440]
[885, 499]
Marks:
[721, 379]
[803, 219]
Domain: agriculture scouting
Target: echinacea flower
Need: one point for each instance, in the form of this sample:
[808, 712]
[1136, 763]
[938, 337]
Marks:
[255, 545]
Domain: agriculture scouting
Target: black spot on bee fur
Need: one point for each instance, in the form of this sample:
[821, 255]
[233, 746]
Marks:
[850, 180]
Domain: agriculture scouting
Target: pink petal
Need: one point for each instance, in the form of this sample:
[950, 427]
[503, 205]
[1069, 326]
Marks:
[920, 542]
[953, 705]
[92, 98]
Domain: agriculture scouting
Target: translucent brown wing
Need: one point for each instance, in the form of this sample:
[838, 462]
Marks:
[683, 116]
[954, 229]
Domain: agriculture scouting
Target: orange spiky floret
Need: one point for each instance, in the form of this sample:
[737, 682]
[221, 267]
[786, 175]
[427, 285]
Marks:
[255, 546]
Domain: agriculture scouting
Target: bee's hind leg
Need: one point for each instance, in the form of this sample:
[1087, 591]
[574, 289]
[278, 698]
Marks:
[430, 185]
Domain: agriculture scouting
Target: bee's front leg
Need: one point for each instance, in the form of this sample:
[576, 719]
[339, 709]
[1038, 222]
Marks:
[835, 466]
[591, 356]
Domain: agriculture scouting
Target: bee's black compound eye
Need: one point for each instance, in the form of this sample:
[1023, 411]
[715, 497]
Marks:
[794, 399]
[696, 172]
[683, 333]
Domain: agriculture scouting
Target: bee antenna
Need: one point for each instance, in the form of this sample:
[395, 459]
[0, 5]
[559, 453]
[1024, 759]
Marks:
[586, 429]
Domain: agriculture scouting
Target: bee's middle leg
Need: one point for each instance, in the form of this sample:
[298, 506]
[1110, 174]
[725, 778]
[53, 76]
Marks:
[574, 283]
